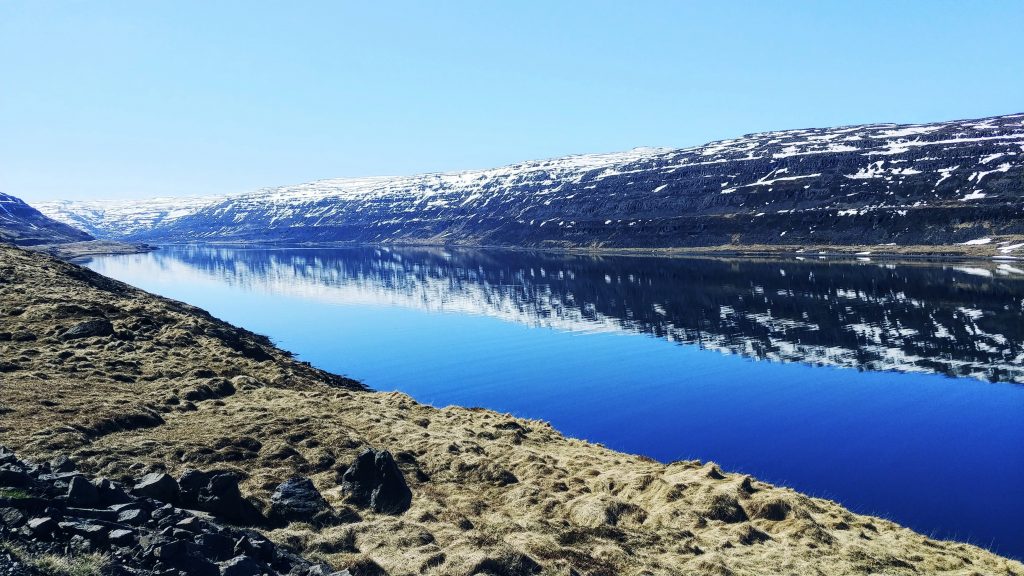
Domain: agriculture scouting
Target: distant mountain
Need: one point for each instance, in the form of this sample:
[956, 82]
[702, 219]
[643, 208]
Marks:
[941, 183]
[23, 225]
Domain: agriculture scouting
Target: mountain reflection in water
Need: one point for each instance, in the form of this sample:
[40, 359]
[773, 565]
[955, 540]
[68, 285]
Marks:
[946, 319]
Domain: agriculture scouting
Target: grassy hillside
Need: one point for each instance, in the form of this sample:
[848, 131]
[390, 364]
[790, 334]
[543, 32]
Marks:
[165, 386]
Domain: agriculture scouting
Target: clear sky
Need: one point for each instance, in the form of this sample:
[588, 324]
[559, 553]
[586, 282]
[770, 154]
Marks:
[143, 98]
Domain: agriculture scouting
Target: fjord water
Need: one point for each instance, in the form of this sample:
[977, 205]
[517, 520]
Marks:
[897, 390]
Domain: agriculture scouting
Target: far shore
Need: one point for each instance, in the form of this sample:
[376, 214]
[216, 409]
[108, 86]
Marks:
[79, 250]
[988, 252]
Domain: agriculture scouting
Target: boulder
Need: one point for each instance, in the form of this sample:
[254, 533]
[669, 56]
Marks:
[158, 486]
[216, 546]
[62, 464]
[82, 493]
[297, 500]
[189, 485]
[42, 526]
[111, 493]
[121, 537]
[374, 481]
[133, 516]
[218, 494]
[89, 328]
[13, 478]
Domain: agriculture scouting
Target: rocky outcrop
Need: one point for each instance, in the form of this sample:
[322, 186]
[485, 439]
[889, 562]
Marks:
[48, 511]
[374, 481]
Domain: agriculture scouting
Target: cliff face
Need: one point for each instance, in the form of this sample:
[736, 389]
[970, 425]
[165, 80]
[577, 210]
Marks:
[23, 225]
[930, 184]
[127, 383]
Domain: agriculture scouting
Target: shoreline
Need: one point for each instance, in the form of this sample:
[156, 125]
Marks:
[488, 488]
[866, 253]
[73, 251]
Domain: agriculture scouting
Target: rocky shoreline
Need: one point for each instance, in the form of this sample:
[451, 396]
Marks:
[140, 389]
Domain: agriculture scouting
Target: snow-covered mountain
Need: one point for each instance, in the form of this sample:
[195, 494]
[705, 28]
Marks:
[935, 183]
[25, 226]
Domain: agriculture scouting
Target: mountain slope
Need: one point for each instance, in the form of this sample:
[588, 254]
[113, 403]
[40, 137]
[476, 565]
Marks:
[22, 225]
[927, 184]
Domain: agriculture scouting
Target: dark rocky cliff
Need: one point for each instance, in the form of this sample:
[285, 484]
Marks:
[23, 225]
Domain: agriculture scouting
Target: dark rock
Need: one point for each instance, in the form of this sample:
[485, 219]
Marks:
[42, 526]
[82, 493]
[168, 550]
[158, 486]
[89, 328]
[222, 498]
[121, 537]
[297, 500]
[90, 531]
[375, 481]
[12, 517]
[61, 480]
[190, 483]
[133, 516]
[241, 566]
[139, 536]
[104, 514]
[216, 546]
[13, 478]
[190, 524]
[163, 512]
[62, 464]
[255, 546]
[111, 493]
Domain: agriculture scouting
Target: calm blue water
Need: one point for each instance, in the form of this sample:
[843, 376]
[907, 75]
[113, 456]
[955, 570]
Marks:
[892, 389]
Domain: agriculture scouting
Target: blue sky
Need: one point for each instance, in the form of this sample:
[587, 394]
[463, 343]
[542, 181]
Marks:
[137, 99]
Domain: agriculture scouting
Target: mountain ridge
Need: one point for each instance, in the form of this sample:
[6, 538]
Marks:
[23, 225]
[917, 184]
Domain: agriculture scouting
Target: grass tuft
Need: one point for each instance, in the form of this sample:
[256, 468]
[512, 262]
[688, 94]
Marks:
[84, 565]
[13, 493]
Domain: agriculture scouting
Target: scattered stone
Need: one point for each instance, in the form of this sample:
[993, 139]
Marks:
[13, 478]
[121, 537]
[111, 493]
[143, 536]
[62, 464]
[42, 526]
[133, 516]
[82, 493]
[158, 486]
[375, 481]
[297, 500]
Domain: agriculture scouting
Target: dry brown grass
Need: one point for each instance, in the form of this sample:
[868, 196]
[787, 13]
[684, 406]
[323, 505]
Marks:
[488, 488]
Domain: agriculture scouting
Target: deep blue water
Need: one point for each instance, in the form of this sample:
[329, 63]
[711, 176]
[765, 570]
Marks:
[895, 390]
